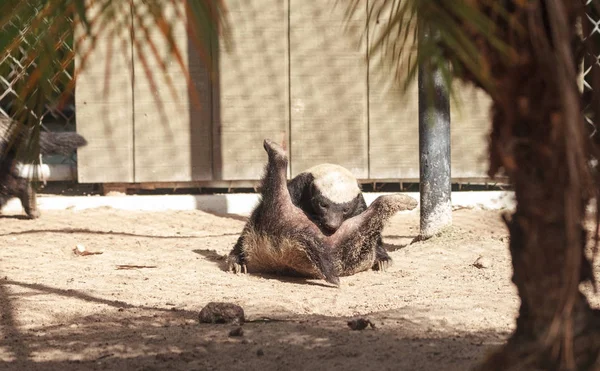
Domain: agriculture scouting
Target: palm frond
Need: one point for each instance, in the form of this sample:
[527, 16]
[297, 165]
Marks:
[397, 46]
[40, 40]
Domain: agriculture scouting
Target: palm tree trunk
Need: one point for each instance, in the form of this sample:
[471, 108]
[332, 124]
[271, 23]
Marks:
[538, 139]
[435, 185]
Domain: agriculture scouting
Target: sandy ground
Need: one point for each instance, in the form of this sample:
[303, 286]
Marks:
[433, 309]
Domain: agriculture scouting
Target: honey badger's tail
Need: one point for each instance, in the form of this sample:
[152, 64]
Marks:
[50, 143]
[60, 143]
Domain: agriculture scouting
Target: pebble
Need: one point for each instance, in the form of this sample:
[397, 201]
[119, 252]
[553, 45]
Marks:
[215, 312]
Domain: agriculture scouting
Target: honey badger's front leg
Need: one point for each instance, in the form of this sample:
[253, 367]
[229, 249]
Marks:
[356, 241]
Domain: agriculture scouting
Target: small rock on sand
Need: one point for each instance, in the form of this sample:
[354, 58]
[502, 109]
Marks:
[215, 312]
[360, 324]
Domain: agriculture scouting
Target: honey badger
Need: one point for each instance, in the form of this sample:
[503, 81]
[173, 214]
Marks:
[280, 238]
[330, 194]
[14, 182]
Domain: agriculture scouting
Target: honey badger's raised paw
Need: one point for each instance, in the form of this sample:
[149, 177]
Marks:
[388, 205]
[275, 152]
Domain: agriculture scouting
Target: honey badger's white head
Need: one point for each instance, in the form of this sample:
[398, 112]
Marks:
[334, 194]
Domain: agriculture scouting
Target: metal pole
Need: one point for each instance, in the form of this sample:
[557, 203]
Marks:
[434, 152]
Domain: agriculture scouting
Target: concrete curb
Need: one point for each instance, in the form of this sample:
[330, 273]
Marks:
[236, 203]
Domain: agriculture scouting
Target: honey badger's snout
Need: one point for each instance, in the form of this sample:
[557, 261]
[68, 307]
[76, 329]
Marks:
[333, 221]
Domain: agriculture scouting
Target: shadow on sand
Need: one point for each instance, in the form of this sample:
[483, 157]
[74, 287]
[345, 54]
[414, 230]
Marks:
[146, 338]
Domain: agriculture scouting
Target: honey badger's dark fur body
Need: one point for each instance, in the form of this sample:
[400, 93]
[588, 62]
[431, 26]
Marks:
[12, 182]
[329, 194]
[280, 238]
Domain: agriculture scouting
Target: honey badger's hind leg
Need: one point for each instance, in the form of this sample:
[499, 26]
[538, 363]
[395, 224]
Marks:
[259, 222]
[358, 237]
[291, 224]
[382, 259]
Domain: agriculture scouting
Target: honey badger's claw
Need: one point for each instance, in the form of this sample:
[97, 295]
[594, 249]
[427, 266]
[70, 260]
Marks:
[333, 280]
[379, 266]
[236, 267]
[383, 265]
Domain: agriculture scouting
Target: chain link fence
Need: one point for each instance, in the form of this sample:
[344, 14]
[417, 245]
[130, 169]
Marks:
[53, 118]
[592, 33]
